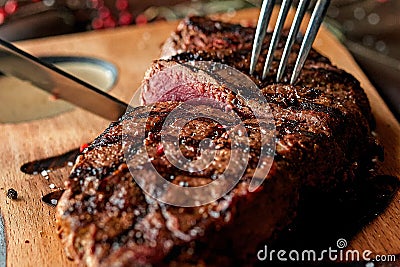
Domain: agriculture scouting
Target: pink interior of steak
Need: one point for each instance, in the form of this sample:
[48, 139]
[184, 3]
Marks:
[168, 81]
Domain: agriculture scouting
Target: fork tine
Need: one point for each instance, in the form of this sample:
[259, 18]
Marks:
[309, 37]
[262, 24]
[276, 35]
[301, 10]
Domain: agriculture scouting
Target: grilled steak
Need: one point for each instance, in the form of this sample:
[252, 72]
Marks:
[106, 219]
[323, 138]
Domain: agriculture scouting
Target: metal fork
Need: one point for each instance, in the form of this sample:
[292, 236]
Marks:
[311, 32]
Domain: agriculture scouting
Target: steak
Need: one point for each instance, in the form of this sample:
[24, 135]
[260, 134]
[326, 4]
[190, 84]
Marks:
[323, 139]
[105, 218]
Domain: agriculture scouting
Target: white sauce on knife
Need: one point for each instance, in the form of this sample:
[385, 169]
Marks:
[21, 101]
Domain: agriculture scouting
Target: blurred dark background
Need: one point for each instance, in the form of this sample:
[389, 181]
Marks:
[369, 28]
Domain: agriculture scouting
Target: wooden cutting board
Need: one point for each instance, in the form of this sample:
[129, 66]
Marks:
[30, 224]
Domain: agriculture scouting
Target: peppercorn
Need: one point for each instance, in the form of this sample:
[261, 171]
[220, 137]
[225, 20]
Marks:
[12, 193]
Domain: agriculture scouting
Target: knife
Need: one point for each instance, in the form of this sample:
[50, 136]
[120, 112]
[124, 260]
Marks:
[3, 243]
[24, 66]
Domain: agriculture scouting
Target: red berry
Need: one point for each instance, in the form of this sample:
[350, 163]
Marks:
[104, 12]
[97, 23]
[2, 16]
[141, 19]
[121, 4]
[11, 6]
[125, 18]
[109, 23]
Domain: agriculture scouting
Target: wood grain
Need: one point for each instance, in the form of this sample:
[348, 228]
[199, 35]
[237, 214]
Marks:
[30, 224]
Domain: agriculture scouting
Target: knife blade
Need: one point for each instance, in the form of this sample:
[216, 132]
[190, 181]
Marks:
[3, 243]
[24, 66]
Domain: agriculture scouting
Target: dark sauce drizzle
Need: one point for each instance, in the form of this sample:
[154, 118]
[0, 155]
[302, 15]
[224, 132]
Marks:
[53, 197]
[51, 163]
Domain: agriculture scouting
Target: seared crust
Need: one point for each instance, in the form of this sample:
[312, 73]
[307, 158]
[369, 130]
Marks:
[323, 139]
[105, 219]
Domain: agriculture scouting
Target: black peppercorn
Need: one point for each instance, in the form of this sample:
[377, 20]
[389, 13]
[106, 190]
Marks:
[12, 193]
